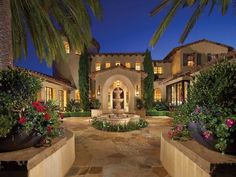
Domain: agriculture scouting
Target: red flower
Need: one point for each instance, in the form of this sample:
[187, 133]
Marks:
[47, 117]
[49, 129]
[61, 115]
[22, 120]
[38, 106]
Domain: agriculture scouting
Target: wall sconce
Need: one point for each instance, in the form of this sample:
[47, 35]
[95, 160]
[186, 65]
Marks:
[137, 90]
[99, 91]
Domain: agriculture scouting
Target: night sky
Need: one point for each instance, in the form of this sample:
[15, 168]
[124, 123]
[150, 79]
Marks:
[127, 27]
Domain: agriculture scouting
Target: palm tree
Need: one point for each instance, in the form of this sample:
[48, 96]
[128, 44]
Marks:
[45, 22]
[174, 5]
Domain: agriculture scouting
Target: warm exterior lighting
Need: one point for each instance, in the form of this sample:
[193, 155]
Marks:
[137, 66]
[99, 90]
[157, 94]
[108, 65]
[137, 90]
[77, 52]
[98, 66]
[158, 70]
[118, 63]
[118, 83]
[127, 65]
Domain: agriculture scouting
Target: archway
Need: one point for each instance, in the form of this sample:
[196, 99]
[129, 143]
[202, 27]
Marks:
[107, 90]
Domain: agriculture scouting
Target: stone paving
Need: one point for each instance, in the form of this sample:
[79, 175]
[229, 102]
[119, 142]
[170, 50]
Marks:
[107, 154]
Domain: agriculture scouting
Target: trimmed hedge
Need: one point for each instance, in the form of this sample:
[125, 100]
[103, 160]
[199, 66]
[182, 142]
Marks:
[130, 126]
[157, 113]
[77, 114]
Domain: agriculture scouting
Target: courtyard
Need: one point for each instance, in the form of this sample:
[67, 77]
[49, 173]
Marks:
[106, 154]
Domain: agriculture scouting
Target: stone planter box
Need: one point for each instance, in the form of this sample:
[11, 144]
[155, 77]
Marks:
[96, 113]
[52, 161]
[190, 159]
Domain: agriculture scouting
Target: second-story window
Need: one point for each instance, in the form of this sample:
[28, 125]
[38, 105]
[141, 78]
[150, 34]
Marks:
[211, 57]
[98, 66]
[117, 63]
[191, 60]
[67, 46]
[108, 65]
[127, 65]
[158, 70]
[137, 66]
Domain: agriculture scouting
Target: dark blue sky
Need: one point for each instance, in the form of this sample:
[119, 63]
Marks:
[127, 27]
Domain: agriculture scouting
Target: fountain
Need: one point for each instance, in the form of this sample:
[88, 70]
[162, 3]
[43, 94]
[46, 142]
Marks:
[118, 115]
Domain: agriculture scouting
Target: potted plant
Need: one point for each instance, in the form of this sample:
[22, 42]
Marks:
[24, 123]
[95, 108]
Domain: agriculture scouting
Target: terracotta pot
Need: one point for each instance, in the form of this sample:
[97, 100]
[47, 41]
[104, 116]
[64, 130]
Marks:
[21, 140]
[197, 129]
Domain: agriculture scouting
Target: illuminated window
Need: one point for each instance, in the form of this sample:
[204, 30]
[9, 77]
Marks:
[61, 99]
[67, 47]
[48, 94]
[98, 66]
[118, 63]
[190, 61]
[108, 65]
[127, 65]
[158, 70]
[138, 66]
[157, 94]
[77, 95]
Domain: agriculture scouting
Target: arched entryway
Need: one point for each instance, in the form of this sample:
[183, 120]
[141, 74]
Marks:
[128, 91]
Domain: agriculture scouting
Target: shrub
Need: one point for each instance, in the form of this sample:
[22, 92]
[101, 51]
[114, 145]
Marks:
[161, 106]
[95, 104]
[18, 90]
[77, 114]
[107, 126]
[73, 106]
[216, 86]
[212, 104]
[139, 103]
[154, 112]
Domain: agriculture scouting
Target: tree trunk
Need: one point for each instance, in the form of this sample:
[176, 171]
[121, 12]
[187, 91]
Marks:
[6, 53]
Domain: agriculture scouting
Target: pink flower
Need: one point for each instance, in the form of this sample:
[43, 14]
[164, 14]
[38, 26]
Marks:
[47, 117]
[207, 134]
[179, 128]
[22, 120]
[230, 122]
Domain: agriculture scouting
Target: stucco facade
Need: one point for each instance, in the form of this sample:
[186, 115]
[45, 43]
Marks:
[108, 71]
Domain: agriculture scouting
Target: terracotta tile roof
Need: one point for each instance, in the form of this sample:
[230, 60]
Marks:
[47, 77]
[195, 42]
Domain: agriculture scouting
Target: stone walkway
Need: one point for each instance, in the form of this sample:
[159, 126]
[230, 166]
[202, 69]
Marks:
[106, 154]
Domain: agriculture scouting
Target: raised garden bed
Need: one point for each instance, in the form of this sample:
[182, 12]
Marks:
[52, 161]
[189, 158]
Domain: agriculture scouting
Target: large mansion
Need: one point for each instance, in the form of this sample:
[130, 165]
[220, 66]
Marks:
[125, 70]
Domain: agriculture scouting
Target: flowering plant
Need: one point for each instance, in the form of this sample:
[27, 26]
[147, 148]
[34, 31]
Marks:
[42, 119]
[179, 132]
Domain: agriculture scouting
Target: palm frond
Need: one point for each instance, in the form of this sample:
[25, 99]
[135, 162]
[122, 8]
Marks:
[225, 5]
[176, 4]
[192, 21]
[159, 7]
[213, 4]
